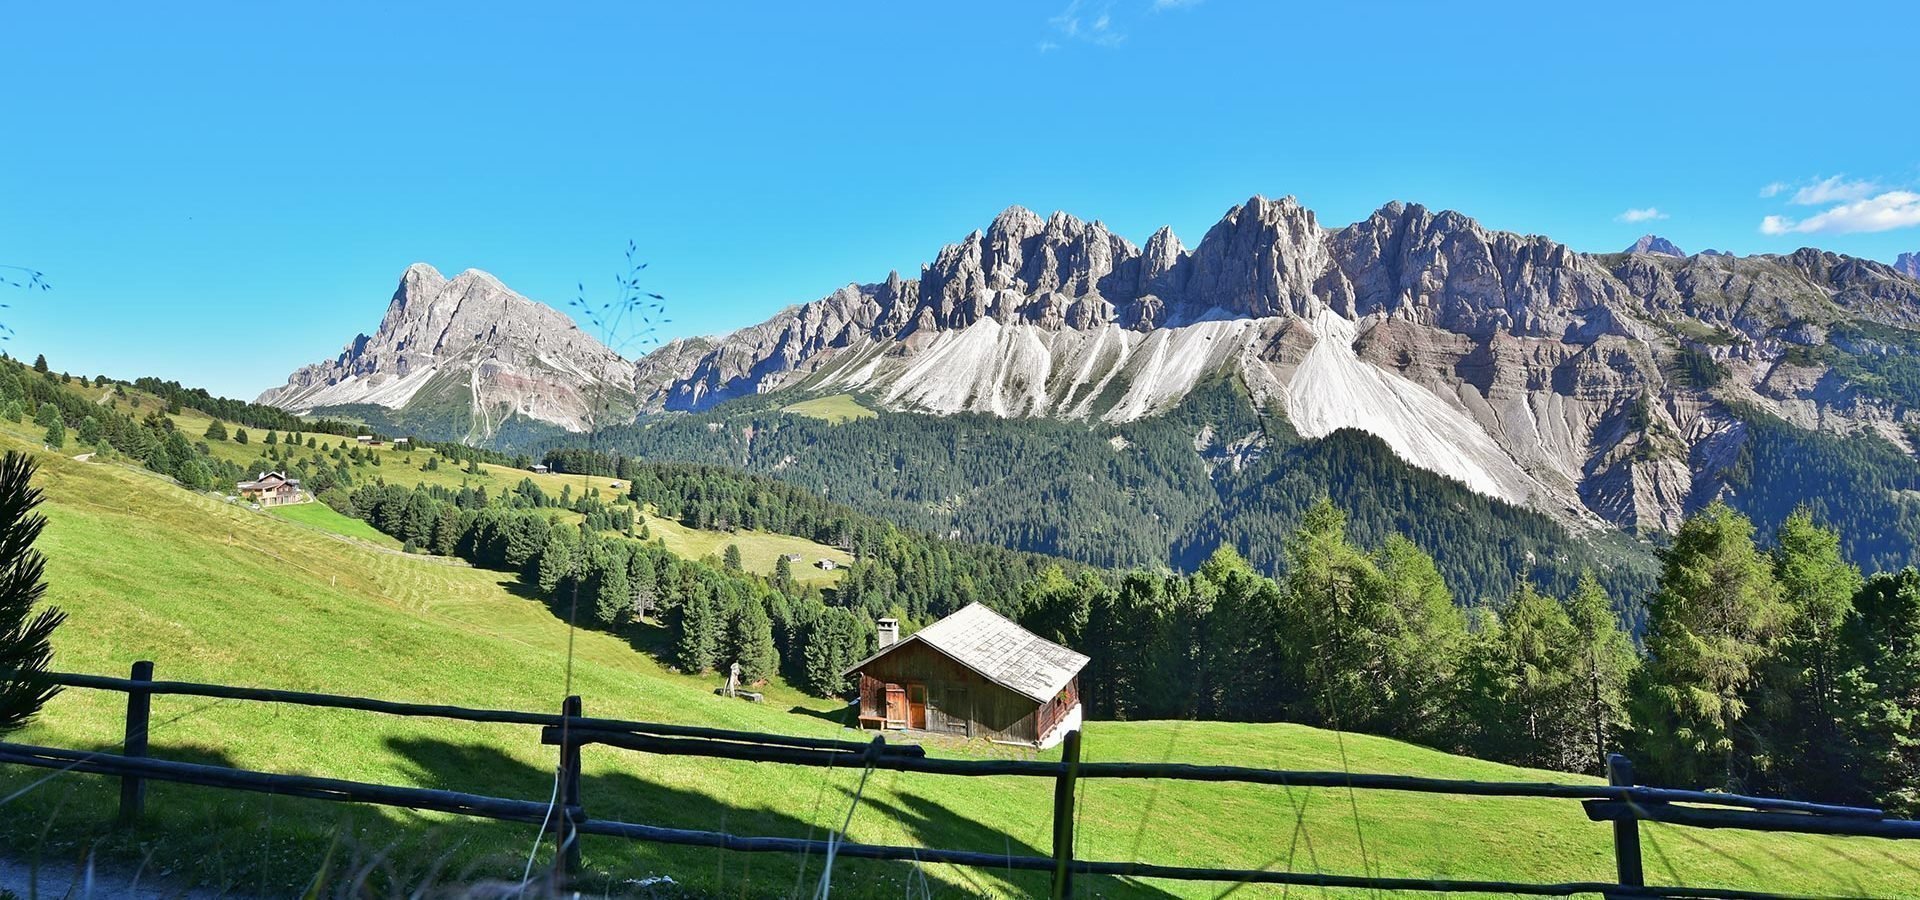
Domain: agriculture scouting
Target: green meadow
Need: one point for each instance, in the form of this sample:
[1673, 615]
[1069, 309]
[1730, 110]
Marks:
[213, 592]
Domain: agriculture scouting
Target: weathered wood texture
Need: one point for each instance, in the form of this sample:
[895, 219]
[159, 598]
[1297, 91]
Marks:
[959, 700]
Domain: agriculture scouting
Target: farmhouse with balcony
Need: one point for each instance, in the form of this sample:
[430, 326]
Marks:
[973, 674]
[271, 489]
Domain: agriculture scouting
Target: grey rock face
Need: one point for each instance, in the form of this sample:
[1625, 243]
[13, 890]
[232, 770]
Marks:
[468, 346]
[1656, 245]
[1507, 360]
[1908, 264]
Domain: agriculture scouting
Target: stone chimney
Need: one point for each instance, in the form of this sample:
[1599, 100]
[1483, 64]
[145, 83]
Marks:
[889, 632]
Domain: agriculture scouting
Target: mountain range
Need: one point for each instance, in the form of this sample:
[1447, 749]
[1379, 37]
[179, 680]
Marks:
[1600, 389]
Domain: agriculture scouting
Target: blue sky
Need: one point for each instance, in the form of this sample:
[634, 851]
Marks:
[219, 194]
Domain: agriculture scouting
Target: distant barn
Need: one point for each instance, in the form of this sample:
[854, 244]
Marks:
[975, 674]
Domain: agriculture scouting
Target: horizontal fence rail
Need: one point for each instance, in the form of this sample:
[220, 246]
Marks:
[1619, 802]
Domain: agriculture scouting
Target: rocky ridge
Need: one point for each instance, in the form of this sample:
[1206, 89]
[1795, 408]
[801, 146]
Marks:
[1530, 371]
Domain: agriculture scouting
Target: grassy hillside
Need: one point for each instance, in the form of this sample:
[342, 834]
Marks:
[214, 592]
[408, 467]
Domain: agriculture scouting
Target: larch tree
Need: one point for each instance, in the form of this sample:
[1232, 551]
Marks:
[1422, 641]
[1802, 740]
[1607, 661]
[1880, 691]
[1332, 594]
[1541, 706]
[1710, 622]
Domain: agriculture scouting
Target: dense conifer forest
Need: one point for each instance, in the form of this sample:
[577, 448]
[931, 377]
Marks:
[1159, 492]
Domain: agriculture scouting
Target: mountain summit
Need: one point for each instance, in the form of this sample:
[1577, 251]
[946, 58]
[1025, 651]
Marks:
[1909, 265]
[462, 356]
[1656, 245]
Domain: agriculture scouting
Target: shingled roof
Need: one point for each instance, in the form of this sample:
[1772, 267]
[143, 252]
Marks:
[999, 650]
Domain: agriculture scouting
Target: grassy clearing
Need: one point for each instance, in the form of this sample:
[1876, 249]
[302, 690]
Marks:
[326, 518]
[214, 592]
[836, 409]
[758, 549]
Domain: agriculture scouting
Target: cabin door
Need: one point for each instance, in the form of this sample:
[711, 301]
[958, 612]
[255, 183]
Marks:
[896, 705]
[917, 706]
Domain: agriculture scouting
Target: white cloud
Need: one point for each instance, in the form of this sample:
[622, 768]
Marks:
[1047, 46]
[1882, 212]
[1640, 215]
[1774, 189]
[1095, 26]
[1159, 5]
[1834, 190]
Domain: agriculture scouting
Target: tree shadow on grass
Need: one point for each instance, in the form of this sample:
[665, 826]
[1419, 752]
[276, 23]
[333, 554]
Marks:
[843, 716]
[188, 836]
[635, 794]
[934, 825]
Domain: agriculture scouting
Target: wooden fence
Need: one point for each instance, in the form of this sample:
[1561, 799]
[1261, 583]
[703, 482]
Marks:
[1620, 802]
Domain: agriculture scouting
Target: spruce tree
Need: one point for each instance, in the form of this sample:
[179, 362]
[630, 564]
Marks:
[556, 563]
[750, 642]
[782, 569]
[830, 649]
[642, 581]
[239, 435]
[216, 430]
[697, 627]
[25, 632]
[731, 559]
[1716, 610]
[612, 595]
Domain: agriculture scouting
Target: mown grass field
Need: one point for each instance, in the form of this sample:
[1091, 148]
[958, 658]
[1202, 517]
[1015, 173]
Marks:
[214, 592]
[836, 408]
[324, 517]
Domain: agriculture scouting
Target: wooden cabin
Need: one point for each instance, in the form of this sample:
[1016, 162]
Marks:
[271, 489]
[972, 674]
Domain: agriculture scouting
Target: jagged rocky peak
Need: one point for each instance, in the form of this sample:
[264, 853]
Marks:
[1263, 258]
[1444, 269]
[1657, 246]
[471, 342]
[1908, 264]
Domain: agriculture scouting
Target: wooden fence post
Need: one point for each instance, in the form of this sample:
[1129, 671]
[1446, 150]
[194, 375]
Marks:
[1063, 816]
[567, 832]
[133, 789]
[1626, 832]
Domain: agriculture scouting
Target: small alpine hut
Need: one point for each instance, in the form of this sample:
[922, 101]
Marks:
[973, 673]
